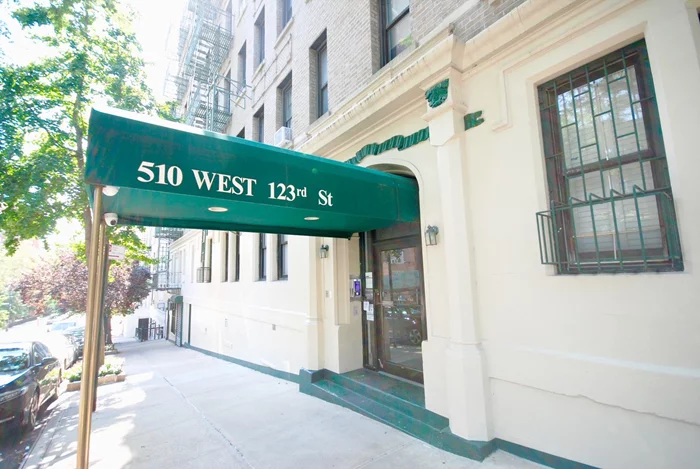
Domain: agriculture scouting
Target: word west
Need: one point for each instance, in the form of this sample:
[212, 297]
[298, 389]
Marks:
[224, 183]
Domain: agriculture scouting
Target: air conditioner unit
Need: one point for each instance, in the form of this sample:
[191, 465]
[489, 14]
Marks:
[283, 137]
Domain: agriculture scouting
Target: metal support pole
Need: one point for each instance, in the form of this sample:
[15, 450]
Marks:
[101, 335]
[96, 260]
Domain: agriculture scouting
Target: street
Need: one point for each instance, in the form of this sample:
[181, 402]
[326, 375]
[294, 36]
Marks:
[14, 444]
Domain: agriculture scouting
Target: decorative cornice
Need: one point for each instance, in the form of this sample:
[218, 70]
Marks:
[397, 141]
[437, 94]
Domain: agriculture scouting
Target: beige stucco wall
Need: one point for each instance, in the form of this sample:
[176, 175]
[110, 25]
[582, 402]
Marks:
[601, 369]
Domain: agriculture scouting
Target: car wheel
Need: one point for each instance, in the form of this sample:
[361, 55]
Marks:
[414, 337]
[32, 412]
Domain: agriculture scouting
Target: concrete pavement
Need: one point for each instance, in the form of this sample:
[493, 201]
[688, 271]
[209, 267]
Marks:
[182, 409]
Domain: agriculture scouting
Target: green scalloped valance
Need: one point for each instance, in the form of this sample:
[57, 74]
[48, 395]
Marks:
[397, 141]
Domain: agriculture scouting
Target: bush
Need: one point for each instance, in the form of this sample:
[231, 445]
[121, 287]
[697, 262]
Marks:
[112, 366]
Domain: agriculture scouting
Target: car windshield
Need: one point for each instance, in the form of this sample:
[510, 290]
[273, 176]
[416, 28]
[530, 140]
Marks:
[13, 359]
[62, 326]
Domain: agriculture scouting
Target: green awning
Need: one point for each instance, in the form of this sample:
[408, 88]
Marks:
[174, 175]
[176, 299]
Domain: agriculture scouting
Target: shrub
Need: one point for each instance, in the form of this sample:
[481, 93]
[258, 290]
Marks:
[112, 366]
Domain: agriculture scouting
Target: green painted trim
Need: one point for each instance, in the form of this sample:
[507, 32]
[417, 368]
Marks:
[315, 383]
[399, 142]
[539, 457]
[473, 120]
[262, 369]
[437, 94]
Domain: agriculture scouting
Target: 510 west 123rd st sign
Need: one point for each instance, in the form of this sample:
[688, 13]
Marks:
[170, 174]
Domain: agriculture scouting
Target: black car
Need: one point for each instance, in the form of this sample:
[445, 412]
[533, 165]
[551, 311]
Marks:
[29, 376]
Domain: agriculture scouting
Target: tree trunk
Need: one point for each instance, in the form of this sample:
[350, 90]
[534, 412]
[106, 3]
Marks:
[108, 328]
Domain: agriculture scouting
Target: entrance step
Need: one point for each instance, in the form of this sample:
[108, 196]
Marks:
[394, 402]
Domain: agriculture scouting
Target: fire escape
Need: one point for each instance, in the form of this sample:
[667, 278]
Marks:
[164, 277]
[204, 42]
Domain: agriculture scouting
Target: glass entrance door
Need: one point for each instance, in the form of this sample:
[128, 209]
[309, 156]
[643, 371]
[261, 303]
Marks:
[400, 306]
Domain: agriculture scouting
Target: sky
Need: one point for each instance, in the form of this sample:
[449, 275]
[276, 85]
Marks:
[155, 19]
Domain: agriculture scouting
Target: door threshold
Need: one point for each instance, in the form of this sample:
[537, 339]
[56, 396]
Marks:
[399, 378]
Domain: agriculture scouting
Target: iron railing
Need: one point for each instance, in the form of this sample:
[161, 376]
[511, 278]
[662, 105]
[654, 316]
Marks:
[204, 275]
[612, 234]
[168, 280]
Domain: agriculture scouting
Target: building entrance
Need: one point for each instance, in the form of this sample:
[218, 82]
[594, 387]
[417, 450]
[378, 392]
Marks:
[395, 325]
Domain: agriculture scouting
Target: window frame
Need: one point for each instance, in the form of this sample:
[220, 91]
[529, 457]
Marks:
[260, 39]
[387, 27]
[259, 117]
[237, 258]
[558, 176]
[287, 105]
[243, 65]
[287, 13]
[282, 255]
[262, 256]
[322, 50]
[227, 250]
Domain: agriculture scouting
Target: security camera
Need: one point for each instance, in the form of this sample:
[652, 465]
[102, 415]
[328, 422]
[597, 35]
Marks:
[111, 219]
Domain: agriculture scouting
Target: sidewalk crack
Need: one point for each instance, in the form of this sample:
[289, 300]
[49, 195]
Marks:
[211, 424]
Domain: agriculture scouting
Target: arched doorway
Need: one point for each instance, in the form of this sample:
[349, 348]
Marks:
[394, 294]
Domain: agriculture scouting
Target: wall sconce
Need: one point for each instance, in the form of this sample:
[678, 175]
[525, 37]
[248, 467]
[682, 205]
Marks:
[431, 234]
[323, 252]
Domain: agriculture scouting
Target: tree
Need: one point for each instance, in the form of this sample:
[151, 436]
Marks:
[64, 280]
[93, 58]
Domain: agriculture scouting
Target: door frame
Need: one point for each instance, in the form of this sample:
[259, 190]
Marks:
[404, 242]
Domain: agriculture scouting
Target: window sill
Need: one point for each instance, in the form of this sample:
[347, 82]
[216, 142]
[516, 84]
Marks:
[284, 33]
[258, 69]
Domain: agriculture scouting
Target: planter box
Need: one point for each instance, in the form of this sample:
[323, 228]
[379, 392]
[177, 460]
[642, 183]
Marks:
[109, 379]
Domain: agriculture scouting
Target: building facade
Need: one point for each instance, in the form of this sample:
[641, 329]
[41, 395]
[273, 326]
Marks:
[547, 297]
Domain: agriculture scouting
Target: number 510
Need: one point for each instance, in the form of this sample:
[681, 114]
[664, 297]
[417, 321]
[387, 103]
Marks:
[172, 176]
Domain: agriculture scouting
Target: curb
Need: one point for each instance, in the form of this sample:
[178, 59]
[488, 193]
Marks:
[36, 453]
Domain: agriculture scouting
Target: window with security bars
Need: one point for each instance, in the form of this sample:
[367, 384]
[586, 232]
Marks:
[611, 204]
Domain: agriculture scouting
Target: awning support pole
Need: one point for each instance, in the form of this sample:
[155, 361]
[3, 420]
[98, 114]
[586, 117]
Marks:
[96, 260]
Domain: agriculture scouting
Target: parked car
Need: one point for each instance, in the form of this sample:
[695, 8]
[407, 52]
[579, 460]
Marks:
[29, 376]
[62, 326]
[78, 336]
[63, 347]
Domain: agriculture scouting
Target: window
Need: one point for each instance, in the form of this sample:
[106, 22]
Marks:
[241, 134]
[611, 205]
[259, 119]
[286, 91]
[227, 241]
[282, 256]
[229, 17]
[322, 77]
[260, 39]
[242, 70]
[237, 259]
[396, 27]
[262, 254]
[286, 13]
[228, 88]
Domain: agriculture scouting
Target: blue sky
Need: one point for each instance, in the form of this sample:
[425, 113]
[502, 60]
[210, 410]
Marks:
[153, 23]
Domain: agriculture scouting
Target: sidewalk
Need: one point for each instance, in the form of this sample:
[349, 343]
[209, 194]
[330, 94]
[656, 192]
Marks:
[182, 409]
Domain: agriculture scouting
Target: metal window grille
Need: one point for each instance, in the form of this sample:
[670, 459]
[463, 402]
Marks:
[611, 204]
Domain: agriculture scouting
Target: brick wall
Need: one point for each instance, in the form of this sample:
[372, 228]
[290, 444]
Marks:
[353, 35]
